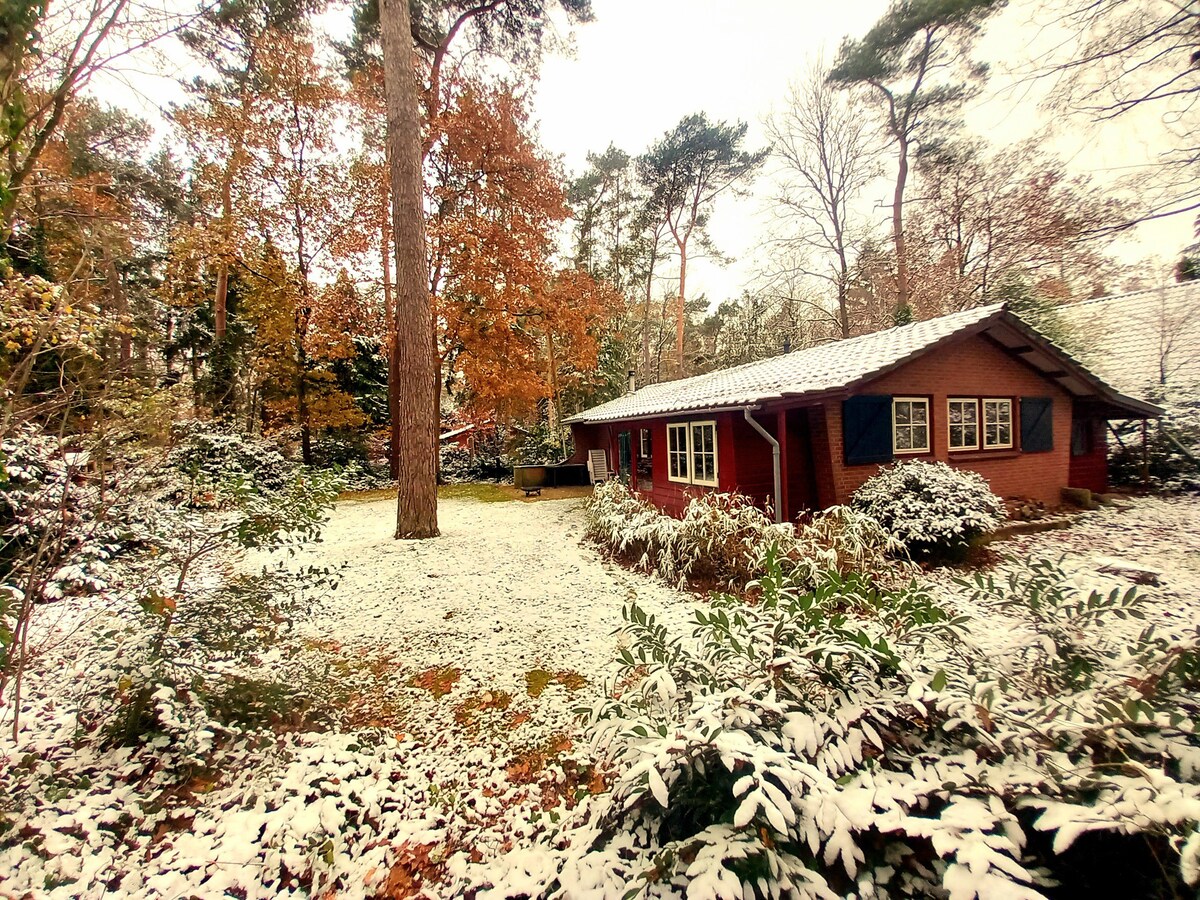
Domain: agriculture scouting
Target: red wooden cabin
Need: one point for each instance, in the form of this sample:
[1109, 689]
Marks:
[978, 389]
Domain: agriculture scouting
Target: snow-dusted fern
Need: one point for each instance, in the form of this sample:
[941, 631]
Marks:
[849, 740]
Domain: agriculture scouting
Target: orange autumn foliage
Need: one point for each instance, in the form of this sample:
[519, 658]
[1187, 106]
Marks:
[508, 324]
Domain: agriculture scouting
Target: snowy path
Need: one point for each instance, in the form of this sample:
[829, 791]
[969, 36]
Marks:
[507, 588]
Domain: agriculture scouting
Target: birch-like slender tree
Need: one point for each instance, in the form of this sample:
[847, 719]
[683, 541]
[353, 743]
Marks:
[684, 173]
[915, 62]
[827, 151]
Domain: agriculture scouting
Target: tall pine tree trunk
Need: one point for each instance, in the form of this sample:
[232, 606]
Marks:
[680, 306]
[389, 312]
[416, 500]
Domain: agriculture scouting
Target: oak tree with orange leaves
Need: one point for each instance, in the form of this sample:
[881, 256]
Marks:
[508, 323]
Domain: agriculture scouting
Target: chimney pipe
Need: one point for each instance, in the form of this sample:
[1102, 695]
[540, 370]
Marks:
[631, 385]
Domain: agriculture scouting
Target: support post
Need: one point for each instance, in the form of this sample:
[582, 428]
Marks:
[775, 459]
[784, 476]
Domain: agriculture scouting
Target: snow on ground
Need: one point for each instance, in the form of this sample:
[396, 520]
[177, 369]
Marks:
[505, 589]
[1147, 542]
[461, 660]
[462, 657]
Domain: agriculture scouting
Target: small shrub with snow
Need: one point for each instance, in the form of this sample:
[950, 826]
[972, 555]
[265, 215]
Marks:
[931, 509]
[192, 647]
[213, 460]
[853, 741]
[721, 538]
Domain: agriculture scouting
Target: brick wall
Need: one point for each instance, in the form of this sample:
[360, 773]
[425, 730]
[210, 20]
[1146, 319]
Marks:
[973, 367]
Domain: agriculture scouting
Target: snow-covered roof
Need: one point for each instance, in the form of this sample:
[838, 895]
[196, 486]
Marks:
[840, 365]
[1142, 341]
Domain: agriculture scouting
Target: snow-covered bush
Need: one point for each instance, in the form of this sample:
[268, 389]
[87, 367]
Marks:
[151, 559]
[188, 654]
[849, 740]
[930, 508]
[721, 539]
[1172, 458]
[843, 539]
[215, 462]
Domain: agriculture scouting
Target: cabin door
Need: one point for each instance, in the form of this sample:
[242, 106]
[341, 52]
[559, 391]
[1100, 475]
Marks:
[624, 455]
[801, 476]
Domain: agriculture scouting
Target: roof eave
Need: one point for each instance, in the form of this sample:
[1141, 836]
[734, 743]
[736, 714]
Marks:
[1105, 393]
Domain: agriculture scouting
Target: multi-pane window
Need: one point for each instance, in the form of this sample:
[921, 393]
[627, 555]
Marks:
[704, 453]
[644, 447]
[997, 423]
[910, 425]
[963, 419]
[677, 453]
[692, 453]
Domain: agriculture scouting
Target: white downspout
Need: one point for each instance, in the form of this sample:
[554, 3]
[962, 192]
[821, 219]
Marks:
[775, 460]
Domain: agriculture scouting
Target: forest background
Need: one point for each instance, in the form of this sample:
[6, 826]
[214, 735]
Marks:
[196, 199]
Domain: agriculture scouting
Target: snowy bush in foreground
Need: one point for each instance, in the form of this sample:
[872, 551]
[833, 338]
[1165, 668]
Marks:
[851, 741]
[930, 508]
[721, 538]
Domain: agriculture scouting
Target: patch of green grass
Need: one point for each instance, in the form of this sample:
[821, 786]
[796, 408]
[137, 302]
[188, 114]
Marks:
[484, 492]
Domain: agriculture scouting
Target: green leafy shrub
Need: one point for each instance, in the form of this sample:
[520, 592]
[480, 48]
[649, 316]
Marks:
[185, 662]
[932, 509]
[847, 740]
[540, 444]
[216, 464]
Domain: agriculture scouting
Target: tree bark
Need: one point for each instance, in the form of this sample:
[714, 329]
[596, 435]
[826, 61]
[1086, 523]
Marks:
[389, 312]
[898, 227]
[416, 495]
[680, 307]
[220, 299]
[646, 311]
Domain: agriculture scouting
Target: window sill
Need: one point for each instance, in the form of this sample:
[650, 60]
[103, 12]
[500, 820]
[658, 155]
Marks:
[970, 455]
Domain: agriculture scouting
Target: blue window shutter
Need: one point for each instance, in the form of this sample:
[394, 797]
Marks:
[867, 429]
[1037, 424]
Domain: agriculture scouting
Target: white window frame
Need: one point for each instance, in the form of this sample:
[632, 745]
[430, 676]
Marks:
[983, 405]
[673, 454]
[973, 402]
[692, 452]
[689, 453]
[924, 401]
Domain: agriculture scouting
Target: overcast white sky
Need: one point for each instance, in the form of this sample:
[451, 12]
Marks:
[644, 64]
